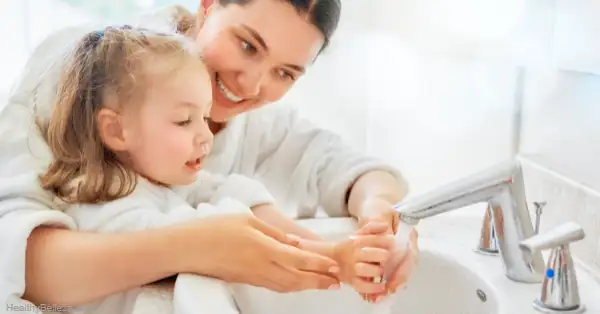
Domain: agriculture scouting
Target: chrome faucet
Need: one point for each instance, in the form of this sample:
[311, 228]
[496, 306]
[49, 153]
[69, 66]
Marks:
[560, 292]
[502, 187]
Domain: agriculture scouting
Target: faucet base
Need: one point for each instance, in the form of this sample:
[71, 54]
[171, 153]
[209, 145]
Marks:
[484, 251]
[488, 244]
[540, 307]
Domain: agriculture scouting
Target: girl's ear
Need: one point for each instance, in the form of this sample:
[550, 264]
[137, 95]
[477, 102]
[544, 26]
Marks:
[111, 130]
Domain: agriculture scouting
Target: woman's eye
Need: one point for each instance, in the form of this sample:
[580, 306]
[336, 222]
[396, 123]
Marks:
[286, 75]
[248, 47]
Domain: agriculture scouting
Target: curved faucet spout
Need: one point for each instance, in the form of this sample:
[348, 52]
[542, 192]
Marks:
[502, 187]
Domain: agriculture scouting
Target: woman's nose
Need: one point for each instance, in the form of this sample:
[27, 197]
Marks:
[250, 82]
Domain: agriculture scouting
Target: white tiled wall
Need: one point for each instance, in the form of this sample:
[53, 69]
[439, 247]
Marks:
[567, 200]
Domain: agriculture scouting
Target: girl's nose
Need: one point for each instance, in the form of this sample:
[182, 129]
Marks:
[204, 137]
[204, 148]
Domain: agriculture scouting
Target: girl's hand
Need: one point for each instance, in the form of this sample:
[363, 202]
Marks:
[360, 258]
[404, 260]
[244, 249]
[408, 259]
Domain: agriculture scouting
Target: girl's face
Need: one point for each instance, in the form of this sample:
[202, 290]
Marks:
[255, 53]
[168, 135]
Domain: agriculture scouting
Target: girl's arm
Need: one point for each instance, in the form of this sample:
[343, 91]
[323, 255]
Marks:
[72, 268]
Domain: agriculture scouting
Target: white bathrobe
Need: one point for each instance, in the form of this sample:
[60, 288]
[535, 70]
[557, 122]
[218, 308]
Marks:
[304, 167]
[153, 206]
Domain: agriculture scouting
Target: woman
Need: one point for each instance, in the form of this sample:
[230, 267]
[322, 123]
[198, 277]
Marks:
[253, 62]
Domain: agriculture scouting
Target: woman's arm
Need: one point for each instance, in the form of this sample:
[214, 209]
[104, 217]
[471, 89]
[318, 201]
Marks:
[313, 166]
[273, 216]
[371, 197]
[72, 268]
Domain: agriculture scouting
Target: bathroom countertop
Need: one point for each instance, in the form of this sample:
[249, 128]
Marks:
[452, 235]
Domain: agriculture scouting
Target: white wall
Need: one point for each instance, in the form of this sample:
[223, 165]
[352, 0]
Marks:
[23, 24]
[432, 85]
[429, 90]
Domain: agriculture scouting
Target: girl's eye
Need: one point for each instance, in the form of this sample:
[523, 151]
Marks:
[184, 123]
[248, 47]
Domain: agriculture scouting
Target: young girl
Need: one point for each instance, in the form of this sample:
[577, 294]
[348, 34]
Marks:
[128, 135]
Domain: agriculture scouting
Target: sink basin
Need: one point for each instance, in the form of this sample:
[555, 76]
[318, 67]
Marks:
[439, 285]
[449, 279]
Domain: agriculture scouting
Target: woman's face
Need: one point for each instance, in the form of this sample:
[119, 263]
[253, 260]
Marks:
[255, 53]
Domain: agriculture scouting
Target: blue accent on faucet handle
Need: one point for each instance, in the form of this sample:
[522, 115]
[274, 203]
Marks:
[550, 273]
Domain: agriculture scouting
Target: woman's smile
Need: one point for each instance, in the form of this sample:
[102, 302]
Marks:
[226, 92]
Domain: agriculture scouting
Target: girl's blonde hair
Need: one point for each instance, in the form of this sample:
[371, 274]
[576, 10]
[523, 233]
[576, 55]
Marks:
[116, 66]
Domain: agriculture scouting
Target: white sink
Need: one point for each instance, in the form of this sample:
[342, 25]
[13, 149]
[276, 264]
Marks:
[440, 285]
[449, 279]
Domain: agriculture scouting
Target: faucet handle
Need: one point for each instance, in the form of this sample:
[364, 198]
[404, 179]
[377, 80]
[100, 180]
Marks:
[562, 235]
[560, 291]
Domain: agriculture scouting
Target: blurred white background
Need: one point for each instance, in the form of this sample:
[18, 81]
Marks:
[429, 85]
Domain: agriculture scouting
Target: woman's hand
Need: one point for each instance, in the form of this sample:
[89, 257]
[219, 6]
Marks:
[244, 249]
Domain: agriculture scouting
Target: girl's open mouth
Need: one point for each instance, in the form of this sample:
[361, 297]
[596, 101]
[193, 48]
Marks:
[194, 164]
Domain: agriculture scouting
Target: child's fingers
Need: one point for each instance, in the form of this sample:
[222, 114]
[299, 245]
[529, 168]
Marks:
[368, 270]
[366, 286]
[400, 276]
[372, 255]
[376, 241]
[375, 297]
[372, 228]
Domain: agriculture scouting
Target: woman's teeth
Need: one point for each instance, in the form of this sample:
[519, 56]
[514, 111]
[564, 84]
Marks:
[227, 93]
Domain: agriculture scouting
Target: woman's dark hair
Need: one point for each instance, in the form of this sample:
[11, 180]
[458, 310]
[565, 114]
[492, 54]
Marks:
[324, 14]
